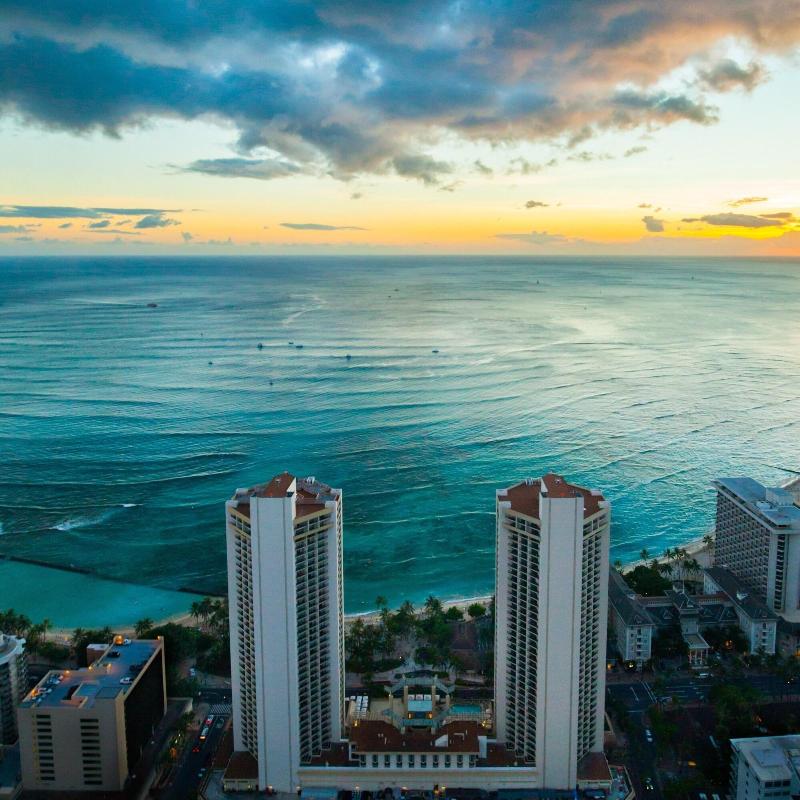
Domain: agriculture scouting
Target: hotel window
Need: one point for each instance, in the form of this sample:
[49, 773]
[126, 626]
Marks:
[411, 760]
[423, 761]
[375, 761]
[435, 760]
[387, 761]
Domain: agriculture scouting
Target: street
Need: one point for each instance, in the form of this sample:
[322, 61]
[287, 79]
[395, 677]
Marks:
[187, 776]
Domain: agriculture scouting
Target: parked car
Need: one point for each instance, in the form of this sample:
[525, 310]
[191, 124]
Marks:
[648, 735]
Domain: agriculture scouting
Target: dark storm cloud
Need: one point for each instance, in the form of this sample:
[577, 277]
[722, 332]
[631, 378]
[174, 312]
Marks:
[349, 87]
[318, 226]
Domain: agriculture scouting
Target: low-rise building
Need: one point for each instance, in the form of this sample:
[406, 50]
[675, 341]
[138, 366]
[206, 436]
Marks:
[13, 683]
[85, 730]
[756, 620]
[765, 768]
[630, 623]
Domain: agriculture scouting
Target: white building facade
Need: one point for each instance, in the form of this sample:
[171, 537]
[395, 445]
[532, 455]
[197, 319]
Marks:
[765, 768]
[13, 684]
[758, 539]
[284, 548]
[551, 611]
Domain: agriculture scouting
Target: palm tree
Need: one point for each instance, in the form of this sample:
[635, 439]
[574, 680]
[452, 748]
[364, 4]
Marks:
[644, 554]
[618, 565]
[142, 627]
[665, 568]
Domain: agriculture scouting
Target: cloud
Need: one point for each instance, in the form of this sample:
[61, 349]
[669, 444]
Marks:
[186, 236]
[634, 151]
[423, 168]
[262, 169]
[23, 238]
[482, 168]
[586, 156]
[344, 88]
[652, 224]
[65, 225]
[14, 228]
[103, 223]
[536, 204]
[317, 226]
[740, 220]
[121, 231]
[726, 75]
[534, 237]
[356, 196]
[645, 205]
[74, 212]
[745, 201]
[155, 221]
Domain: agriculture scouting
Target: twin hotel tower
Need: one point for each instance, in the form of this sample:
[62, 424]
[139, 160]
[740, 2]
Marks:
[294, 727]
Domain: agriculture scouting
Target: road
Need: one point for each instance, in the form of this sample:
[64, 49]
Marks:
[187, 776]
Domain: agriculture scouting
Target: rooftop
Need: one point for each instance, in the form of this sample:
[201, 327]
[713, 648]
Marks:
[114, 673]
[376, 736]
[310, 494]
[9, 646]
[524, 496]
[242, 767]
[740, 594]
[773, 505]
[625, 602]
[772, 758]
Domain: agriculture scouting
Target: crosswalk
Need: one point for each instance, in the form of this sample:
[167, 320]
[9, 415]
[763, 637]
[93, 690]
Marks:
[221, 708]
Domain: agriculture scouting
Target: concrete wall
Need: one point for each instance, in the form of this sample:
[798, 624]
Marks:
[274, 606]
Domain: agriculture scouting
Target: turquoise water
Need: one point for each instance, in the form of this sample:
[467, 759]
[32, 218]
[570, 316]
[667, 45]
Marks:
[119, 440]
[459, 708]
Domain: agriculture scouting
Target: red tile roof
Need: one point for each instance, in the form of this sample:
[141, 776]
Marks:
[376, 736]
[277, 487]
[594, 767]
[524, 497]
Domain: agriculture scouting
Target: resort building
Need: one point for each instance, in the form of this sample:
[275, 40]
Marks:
[284, 545]
[292, 726]
[630, 625]
[551, 612]
[85, 730]
[756, 620]
[765, 768]
[13, 685]
[758, 540]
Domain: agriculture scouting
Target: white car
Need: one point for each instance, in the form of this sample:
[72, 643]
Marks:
[126, 680]
[648, 735]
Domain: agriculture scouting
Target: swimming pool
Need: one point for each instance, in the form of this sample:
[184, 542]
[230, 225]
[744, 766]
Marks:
[465, 708]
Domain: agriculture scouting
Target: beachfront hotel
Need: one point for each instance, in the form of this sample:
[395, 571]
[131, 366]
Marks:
[284, 547]
[13, 684]
[758, 540]
[85, 730]
[551, 610]
[293, 728]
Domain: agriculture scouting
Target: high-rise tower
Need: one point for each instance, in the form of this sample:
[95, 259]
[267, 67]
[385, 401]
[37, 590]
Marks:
[551, 617]
[284, 542]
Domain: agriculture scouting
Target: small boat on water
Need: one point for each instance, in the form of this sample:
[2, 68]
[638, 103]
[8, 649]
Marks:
[348, 356]
[152, 305]
[434, 351]
[260, 346]
[299, 346]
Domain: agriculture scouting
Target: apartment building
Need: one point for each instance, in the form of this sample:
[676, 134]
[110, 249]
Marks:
[85, 730]
[284, 546]
[758, 539]
[13, 684]
[551, 612]
[765, 768]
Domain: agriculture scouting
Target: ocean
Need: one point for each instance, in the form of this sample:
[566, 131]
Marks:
[124, 427]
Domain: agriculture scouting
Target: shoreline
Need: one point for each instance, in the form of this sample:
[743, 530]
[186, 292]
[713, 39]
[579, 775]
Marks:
[694, 548]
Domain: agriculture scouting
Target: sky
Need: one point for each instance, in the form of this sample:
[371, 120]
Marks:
[522, 126]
